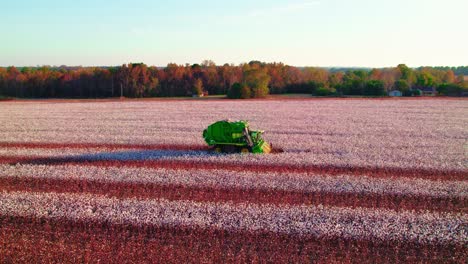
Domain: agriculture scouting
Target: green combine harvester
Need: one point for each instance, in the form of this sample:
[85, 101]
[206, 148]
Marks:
[232, 137]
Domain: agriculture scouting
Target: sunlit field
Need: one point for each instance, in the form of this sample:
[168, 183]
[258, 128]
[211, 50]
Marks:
[358, 179]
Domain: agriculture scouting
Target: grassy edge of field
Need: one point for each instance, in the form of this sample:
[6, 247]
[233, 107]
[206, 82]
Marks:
[5, 98]
[290, 96]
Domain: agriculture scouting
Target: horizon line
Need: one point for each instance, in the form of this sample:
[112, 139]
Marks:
[183, 64]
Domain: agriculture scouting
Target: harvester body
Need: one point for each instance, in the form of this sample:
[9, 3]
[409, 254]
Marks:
[236, 136]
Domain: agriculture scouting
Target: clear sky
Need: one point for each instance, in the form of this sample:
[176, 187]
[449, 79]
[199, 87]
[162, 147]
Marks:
[298, 32]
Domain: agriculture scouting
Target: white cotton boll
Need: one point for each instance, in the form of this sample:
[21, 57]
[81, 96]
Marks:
[341, 133]
[317, 133]
[317, 221]
[303, 182]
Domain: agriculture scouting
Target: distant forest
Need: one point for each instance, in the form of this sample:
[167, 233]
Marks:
[249, 80]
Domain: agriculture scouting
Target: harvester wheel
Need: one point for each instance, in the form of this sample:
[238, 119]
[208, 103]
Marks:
[245, 150]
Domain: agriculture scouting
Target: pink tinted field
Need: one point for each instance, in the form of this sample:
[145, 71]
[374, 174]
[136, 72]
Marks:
[378, 180]
[383, 133]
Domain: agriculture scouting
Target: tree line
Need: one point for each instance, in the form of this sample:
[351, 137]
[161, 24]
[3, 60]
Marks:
[248, 80]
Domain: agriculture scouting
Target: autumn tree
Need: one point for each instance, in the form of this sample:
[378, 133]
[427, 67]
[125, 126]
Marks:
[230, 74]
[449, 77]
[257, 79]
[276, 71]
[212, 78]
[335, 79]
[389, 76]
[3, 79]
[245, 92]
[198, 87]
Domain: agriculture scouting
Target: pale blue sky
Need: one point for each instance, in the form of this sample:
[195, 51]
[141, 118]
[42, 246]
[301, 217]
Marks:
[297, 32]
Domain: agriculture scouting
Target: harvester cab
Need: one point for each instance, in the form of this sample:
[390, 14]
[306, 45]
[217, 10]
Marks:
[231, 137]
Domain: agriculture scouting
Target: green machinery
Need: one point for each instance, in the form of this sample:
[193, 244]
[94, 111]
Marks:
[231, 137]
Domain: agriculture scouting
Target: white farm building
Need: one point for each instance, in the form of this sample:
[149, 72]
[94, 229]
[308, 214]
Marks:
[395, 93]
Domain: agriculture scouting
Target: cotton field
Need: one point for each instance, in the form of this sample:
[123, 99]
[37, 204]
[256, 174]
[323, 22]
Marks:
[352, 180]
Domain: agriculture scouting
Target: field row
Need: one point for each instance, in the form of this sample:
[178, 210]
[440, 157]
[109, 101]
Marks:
[240, 186]
[235, 195]
[316, 221]
[273, 181]
[191, 159]
[64, 241]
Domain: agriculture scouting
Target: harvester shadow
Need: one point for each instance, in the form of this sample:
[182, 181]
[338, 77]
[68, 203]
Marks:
[134, 155]
[142, 155]
[130, 156]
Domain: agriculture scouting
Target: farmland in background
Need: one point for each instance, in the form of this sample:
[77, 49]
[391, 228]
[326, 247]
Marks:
[379, 180]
